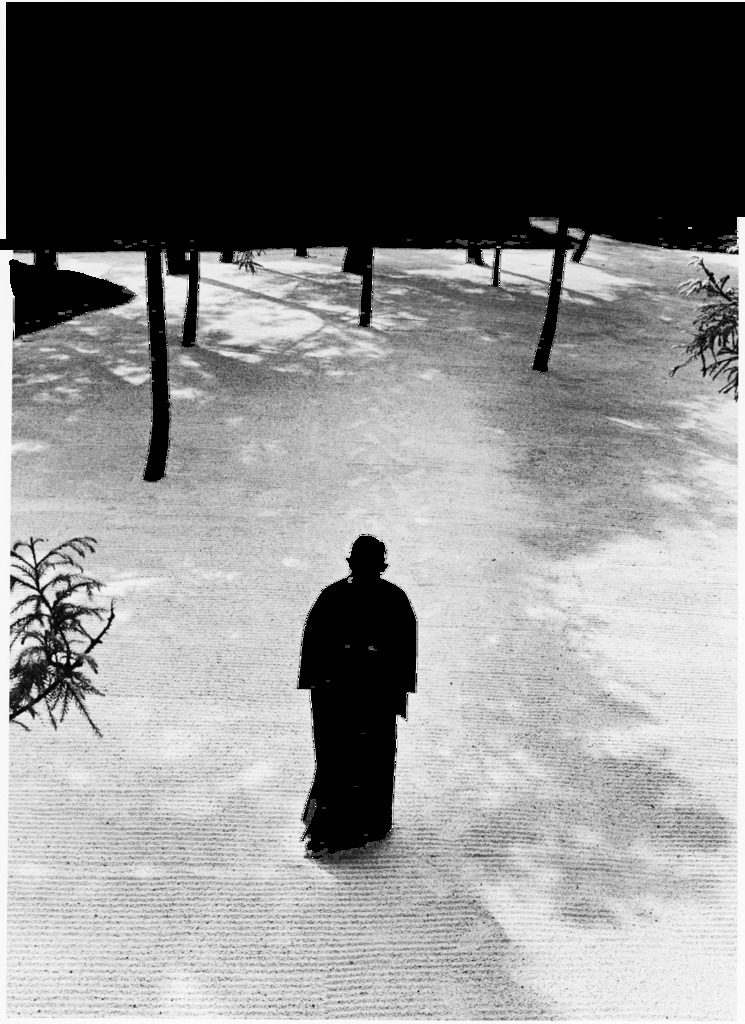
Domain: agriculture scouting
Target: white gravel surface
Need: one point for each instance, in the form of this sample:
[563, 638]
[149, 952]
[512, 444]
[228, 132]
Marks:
[564, 842]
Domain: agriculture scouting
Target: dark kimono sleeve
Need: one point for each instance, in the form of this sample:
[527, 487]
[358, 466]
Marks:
[403, 676]
[315, 669]
[405, 653]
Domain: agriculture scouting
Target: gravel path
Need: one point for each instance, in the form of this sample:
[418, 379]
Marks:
[564, 844]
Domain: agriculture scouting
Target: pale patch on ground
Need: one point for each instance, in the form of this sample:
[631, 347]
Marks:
[190, 363]
[34, 870]
[330, 307]
[190, 394]
[188, 802]
[633, 425]
[86, 350]
[44, 378]
[146, 870]
[321, 353]
[177, 744]
[27, 447]
[121, 584]
[182, 992]
[131, 374]
[244, 357]
[256, 775]
[79, 778]
[670, 492]
[294, 563]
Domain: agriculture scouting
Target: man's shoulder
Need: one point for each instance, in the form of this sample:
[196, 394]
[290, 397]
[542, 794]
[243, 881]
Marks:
[334, 590]
[391, 588]
[394, 593]
[342, 590]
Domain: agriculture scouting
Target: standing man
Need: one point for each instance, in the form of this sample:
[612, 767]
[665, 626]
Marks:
[359, 662]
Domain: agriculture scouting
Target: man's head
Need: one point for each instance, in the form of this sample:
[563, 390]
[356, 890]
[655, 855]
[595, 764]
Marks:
[367, 557]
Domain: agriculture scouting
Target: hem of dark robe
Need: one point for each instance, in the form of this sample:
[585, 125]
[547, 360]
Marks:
[351, 799]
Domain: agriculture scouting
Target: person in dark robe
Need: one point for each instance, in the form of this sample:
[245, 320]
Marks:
[358, 660]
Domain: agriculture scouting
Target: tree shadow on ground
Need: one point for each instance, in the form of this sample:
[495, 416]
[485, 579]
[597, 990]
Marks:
[416, 962]
[436, 942]
[599, 837]
[561, 781]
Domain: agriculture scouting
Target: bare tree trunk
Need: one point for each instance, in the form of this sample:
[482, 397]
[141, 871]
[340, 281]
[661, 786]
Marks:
[155, 468]
[366, 290]
[354, 259]
[497, 266]
[546, 340]
[192, 301]
[474, 255]
[227, 256]
[45, 259]
[302, 251]
[579, 252]
[176, 262]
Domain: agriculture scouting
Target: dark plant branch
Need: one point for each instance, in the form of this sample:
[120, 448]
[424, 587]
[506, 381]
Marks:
[716, 339]
[97, 640]
[42, 696]
[718, 286]
[51, 639]
[246, 260]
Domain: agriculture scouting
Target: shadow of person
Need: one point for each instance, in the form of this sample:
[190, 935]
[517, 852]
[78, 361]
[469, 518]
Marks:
[358, 659]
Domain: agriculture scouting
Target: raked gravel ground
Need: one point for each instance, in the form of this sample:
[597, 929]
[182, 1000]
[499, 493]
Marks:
[564, 842]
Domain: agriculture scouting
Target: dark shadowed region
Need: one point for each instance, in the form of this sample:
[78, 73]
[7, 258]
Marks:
[44, 297]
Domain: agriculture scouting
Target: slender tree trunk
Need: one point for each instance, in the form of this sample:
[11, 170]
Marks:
[579, 252]
[192, 301]
[303, 251]
[474, 255]
[546, 340]
[156, 315]
[176, 262]
[354, 259]
[45, 259]
[366, 291]
[227, 256]
[497, 266]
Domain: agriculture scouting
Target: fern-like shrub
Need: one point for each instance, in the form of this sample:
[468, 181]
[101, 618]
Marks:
[50, 638]
[716, 338]
[246, 260]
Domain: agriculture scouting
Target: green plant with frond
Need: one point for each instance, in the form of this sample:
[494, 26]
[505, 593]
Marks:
[52, 630]
[716, 338]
